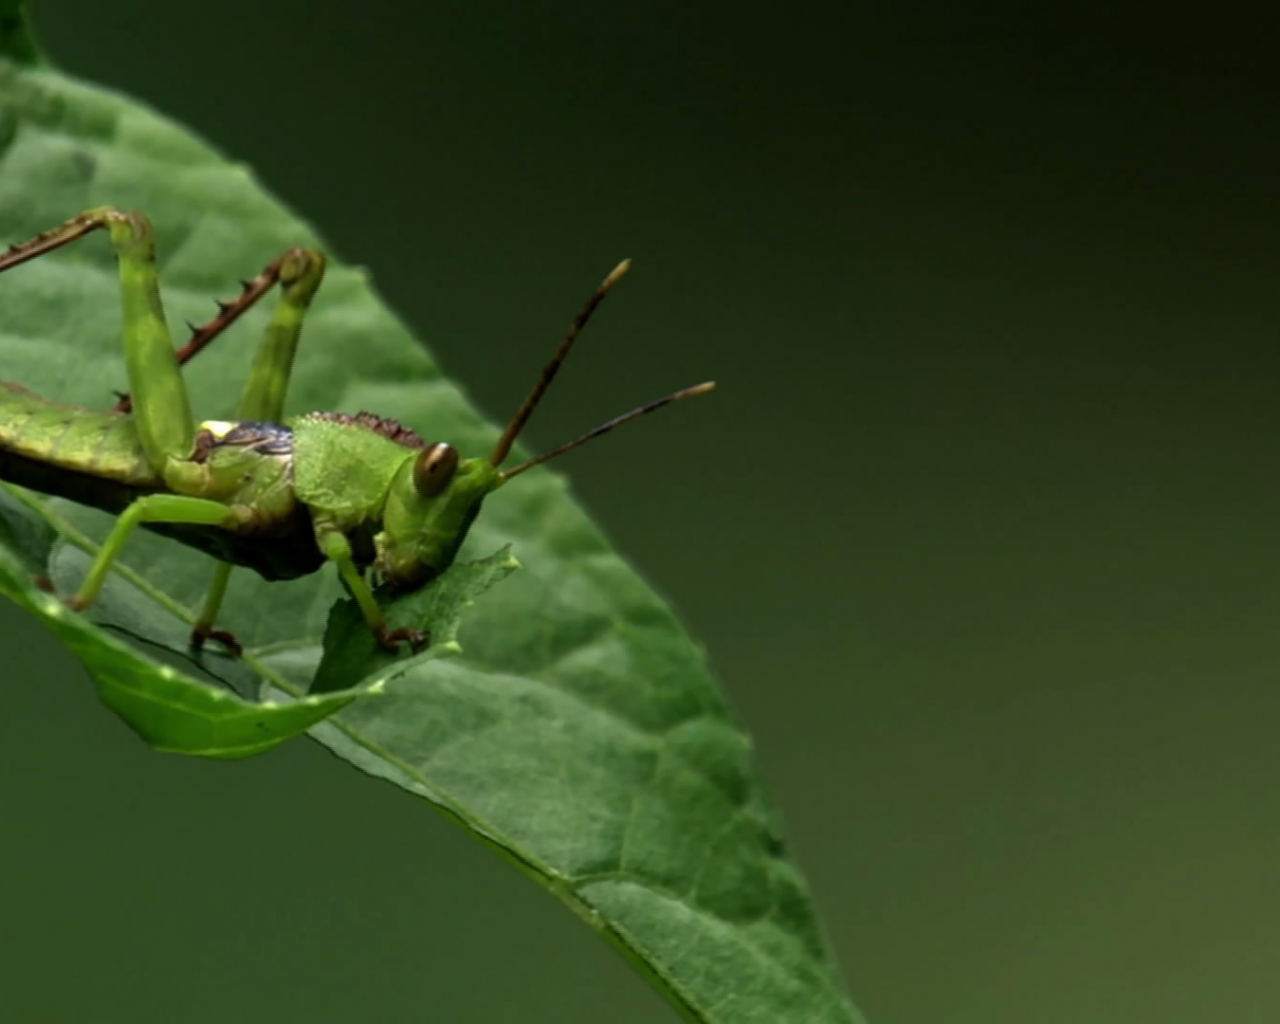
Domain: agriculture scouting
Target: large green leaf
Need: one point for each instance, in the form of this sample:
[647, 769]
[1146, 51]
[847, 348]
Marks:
[576, 729]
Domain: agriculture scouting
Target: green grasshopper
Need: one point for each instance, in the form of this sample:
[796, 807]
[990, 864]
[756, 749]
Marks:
[279, 496]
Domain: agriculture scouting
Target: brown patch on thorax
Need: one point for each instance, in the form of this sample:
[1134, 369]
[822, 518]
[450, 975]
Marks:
[392, 430]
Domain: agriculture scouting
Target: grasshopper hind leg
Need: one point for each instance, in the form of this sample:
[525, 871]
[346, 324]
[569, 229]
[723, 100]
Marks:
[163, 415]
[299, 272]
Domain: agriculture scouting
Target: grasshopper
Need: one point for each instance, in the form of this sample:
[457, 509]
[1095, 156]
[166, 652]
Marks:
[280, 496]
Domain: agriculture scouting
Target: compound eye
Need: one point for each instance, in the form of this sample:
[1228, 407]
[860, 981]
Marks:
[434, 469]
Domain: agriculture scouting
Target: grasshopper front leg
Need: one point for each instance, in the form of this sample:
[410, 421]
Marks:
[337, 549]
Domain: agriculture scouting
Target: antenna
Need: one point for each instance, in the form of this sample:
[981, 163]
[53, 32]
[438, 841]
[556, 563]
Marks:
[617, 421]
[503, 448]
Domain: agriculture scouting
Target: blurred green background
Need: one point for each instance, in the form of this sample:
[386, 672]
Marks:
[980, 529]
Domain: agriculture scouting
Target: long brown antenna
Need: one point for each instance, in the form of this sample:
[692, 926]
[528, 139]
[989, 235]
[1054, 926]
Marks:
[617, 421]
[503, 448]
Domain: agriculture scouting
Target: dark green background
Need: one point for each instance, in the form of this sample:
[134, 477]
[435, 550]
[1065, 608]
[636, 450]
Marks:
[981, 529]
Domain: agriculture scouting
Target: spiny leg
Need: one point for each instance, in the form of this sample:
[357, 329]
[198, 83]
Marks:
[286, 269]
[55, 238]
[299, 272]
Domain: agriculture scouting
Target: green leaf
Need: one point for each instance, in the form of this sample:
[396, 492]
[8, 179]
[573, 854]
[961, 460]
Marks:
[578, 733]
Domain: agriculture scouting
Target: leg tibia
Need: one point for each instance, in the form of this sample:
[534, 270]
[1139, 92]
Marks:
[299, 272]
[76, 227]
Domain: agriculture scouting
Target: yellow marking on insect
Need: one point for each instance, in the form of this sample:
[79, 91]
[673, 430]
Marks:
[218, 428]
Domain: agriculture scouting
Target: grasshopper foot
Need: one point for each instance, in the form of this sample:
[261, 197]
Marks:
[390, 639]
[230, 644]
